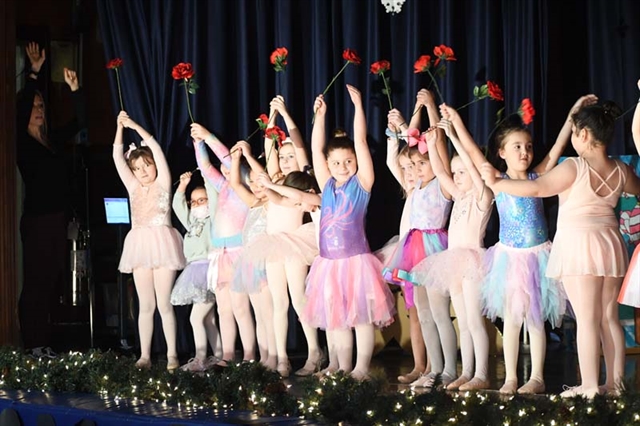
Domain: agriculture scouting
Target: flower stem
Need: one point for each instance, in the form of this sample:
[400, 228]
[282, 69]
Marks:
[186, 91]
[436, 85]
[469, 103]
[119, 91]
[386, 86]
[627, 111]
[324, 92]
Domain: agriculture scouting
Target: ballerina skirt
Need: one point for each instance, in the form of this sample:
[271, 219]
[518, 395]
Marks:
[191, 286]
[447, 270]
[630, 291]
[152, 247]
[516, 280]
[222, 263]
[412, 249]
[344, 293]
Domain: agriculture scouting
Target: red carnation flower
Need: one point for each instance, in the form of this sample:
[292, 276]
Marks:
[526, 111]
[114, 64]
[380, 67]
[276, 134]
[182, 71]
[279, 58]
[495, 92]
[422, 64]
[444, 53]
[351, 56]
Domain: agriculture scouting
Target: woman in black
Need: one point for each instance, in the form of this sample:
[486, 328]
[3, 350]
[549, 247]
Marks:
[44, 221]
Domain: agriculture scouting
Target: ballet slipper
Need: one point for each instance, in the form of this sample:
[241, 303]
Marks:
[457, 383]
[532, 387]
[409, 378]
[311, 366]
[172, 363]
[284, 368]
[425, 381]
[326, 372]
[143, 363]
[510, 387]
[474, 384]
[360, 376]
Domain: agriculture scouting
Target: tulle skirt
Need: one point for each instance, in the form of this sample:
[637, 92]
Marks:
[152, 247]
[191, 285]
[344, 293]
[411, 250]
[447, 270]
[630, 291]
[516, 280]
[601, 253]
[222, 262]
[384, 255]
[248, 277]
[299, 245]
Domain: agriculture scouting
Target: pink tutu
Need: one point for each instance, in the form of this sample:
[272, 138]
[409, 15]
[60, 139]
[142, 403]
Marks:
[191, 285]
[446, 271]
[411, 250]
[384, 255]
[630, 291]
[515, 280]
[299, 245]
[344, 293]
[222, 262]
[152, 247]
[248, 277]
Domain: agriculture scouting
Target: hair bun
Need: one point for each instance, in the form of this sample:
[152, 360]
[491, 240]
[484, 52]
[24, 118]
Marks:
[339, 133]
[612, 109]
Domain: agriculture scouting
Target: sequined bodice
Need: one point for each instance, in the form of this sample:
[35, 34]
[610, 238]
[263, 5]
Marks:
[342, 220]
[150, 206]
[255, 224]
[429, 207]
[522, 221]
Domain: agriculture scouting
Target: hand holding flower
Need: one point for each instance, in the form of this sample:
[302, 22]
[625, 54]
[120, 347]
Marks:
[320, 106]
[264, 180]
[199, 132]
[185, 178]
[488, 173]
[395, 120]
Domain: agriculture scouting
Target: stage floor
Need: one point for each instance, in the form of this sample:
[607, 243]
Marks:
[68, 409]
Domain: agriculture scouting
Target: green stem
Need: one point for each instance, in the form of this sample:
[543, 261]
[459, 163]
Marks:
[186, 91]
[469, 103]
[433, 79]
[627, 111]
[324, 92]
[119, 91]
[386, 86]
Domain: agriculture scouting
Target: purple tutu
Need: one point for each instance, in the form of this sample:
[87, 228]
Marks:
[191, 285]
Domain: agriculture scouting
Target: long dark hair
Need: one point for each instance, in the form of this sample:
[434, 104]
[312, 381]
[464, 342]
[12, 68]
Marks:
[599, 120]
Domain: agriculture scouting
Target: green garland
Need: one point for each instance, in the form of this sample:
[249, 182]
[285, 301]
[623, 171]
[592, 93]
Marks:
[249, 386]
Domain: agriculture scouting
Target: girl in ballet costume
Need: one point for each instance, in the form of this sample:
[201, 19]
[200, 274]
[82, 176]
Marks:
[588, 254]
[515, 287]
[153, 248]
[191, 286]
[430, 206]
[227, 225]
[250, 278]
[402, 168]
[630, 292]
[289, 274]
[458, 270]
[345, 289]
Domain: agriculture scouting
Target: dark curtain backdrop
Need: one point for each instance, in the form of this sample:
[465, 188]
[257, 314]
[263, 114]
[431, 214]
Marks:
[550, 51]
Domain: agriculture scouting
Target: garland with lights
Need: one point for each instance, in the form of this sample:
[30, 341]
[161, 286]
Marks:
[338, 398]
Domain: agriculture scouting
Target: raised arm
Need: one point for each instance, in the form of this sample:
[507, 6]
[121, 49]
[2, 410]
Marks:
[296, 136]
[235, 178]
[426, 98]
[199, 132]
[318, 140]
[365, 173]
[394, 120]
[270, 152]
[464, 137]
[447, 184]
[416, 117]
[79, 121]
[209, 172]
[556, 181]
[564, 137]
[164, 174]
[635, 125]
[179, 203]
[295, 195]
[126, 175]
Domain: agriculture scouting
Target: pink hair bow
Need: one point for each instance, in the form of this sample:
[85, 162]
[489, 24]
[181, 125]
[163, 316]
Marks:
[132, 147]
[414, 137]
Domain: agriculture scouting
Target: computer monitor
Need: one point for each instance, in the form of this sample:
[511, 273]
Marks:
[117, 210]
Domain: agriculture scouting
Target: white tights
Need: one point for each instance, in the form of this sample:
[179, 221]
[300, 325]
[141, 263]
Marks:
[473, 334]
[204, 327]
[594, 302]
[429, 329]
[278, 276]
[234, 307]
[153, 287]
[439, 303]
